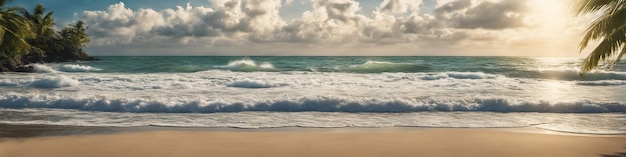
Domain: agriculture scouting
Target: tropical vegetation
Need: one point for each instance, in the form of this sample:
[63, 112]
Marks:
[609, 29]
[32, 34]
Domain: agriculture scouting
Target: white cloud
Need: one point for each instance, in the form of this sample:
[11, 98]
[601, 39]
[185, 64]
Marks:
[329, 27]
[400, 6]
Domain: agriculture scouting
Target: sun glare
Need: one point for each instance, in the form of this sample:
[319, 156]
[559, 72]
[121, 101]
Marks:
[550, 14]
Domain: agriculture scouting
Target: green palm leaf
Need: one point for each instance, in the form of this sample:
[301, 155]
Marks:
[14, 29]
[609, 29]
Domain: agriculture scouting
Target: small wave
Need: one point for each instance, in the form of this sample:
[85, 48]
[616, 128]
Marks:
[8, 83]
[570, 75]
[247, 83]
[380, 67]
[58, 82]
[311, 104]
[41, 68]
[248, 65]
[459, 75]
[602, 83]
[77, 68]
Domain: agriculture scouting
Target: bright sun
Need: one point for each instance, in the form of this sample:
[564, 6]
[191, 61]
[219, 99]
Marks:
[549, 14]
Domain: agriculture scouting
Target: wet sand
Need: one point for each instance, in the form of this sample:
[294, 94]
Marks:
[374, 142]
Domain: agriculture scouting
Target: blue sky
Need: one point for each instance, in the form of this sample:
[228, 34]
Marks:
[67, 10]
[323, 27]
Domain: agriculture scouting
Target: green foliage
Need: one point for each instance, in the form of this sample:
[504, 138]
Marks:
[609, 29]
[14, 29]
[35, 31]
[76, 34]
[42, 26]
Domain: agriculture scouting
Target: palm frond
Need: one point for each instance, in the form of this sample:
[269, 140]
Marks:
[609, 28]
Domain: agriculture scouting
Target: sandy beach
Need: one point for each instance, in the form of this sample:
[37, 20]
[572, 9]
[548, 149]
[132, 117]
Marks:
[393, 142]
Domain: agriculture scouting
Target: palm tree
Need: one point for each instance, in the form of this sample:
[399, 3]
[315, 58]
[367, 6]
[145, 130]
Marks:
[43, 30]
[14, 29]
[609, 29]
[76, 34]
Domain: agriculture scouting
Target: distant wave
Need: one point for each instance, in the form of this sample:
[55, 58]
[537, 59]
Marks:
[459, 75]
[380, 67]
[77, 68]
[316, 104]
[569, 75]
[248, 65]
[43, 68]
[602, 83]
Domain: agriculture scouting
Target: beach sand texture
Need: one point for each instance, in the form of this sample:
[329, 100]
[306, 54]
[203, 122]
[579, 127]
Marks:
[440, 142]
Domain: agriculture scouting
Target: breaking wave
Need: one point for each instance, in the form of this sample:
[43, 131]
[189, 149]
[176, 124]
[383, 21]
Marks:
[459, 75]
[569, 75]
[40, 68]
[247, 83]
[56, 82]
[314, 104]
[602, 83]
[380, 67]
[77, 68]
[248, 65]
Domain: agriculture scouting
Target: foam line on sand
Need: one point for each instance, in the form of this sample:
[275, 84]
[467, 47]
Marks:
[396, 142]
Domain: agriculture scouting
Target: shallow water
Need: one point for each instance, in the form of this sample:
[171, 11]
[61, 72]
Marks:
[262, 92]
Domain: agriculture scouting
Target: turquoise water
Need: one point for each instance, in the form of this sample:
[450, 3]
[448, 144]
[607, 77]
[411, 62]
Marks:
[262, 92]
[522, 67]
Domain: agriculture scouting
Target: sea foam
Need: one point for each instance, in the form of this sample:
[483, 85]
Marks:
[248, 65]
[459, 75]
[77, 68]
[247, 83]
[305, 104]
[41, 68]
[55, 82]
[380, 67]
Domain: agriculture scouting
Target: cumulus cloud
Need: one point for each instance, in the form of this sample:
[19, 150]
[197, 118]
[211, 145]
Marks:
[487, 14]
[239, 26]
[399, 6]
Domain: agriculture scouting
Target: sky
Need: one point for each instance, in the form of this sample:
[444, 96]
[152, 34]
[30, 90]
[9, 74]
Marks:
[324, 27]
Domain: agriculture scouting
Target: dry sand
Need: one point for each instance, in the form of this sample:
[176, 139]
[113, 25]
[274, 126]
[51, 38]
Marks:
[392, 142]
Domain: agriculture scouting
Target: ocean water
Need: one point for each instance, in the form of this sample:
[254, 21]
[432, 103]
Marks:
[320, 92]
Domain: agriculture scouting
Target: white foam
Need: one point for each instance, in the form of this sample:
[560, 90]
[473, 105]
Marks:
[8, 83]
[247, 64]
[605, 123]
[77, 68]
[602, 83]
[55, 82]
[247, 83]
[164, 104]
[238, 63]
[267, 65]
[41, 68]
[459, 75]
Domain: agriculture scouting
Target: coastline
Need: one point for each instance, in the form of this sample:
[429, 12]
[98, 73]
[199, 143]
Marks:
[160, 141]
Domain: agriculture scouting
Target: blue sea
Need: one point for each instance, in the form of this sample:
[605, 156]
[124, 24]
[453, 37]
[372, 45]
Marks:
[319, 92]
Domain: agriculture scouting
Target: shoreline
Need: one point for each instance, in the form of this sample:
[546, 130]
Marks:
[153, 141]
[42, 130]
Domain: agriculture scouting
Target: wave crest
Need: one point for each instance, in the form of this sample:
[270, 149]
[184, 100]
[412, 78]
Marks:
[247, 83]
[459, 75]
[41, 68]
[380, 67]
[58, 82]
[314, 104]
[77, 68]
[248, 65]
